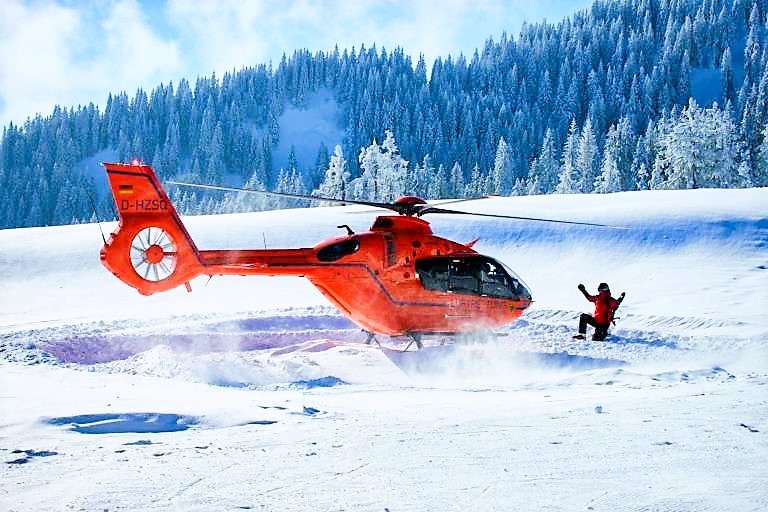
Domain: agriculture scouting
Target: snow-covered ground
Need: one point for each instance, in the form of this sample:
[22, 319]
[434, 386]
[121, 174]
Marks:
[254, 394]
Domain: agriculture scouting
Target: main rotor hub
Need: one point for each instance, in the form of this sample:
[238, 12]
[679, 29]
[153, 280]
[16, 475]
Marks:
[409, 205]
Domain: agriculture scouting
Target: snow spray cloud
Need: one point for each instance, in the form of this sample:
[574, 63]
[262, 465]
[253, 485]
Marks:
[489, 361]
[232, 369]
[264, 348]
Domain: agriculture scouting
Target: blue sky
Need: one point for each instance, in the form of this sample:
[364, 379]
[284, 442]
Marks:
[70, 52]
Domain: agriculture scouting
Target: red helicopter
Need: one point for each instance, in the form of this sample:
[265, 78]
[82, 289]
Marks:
[397, 279]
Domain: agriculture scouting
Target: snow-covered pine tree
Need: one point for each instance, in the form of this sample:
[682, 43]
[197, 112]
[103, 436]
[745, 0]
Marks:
[625, 145]
[317, 173]
[520, 188]
[761, 166]
[543, 174]
[291, 182]
[420, 179]
[336, 177]
[393, 171]
[383, 175]
[640, 168]
[701, 148]
[478, 184]
[609, 179]
[500, 178]
[365, 186]
[293, 162]
[568, 180]
[726, 77]
[744, 174]
[532, 184]
[214, 168]
[248, 201]
[586, 158]
[438, 184]
[456, 182]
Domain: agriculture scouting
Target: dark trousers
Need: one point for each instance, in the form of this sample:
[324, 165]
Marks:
[601, 331]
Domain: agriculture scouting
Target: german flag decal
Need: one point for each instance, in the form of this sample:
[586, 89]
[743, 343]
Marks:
[125, 190]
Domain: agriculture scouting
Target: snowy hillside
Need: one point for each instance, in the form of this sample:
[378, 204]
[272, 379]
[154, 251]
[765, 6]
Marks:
[255, 394]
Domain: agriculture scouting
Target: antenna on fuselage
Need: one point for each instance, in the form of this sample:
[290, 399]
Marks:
[98, 221]
[349, 229]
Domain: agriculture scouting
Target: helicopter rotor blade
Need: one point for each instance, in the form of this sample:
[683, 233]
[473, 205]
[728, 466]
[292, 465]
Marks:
[429, 209]
[435, 202]
[404, 209]
[387, 206]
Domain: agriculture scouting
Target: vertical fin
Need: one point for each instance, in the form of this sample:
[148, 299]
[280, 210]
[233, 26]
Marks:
[151, 249]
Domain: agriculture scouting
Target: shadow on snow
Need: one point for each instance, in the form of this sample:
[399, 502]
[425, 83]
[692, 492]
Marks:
[125, 423]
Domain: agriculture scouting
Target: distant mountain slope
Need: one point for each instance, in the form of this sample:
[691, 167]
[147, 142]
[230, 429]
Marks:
[597, 102]
[305, 130]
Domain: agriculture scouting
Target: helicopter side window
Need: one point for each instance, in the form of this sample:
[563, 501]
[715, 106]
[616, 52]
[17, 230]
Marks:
[338, 250]
[474, 275]
[433, 273]
[518, 287]
[463, 277]
[495, 282]
[448, 275]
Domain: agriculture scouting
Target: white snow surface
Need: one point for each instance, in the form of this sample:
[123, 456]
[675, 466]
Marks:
[255, 394]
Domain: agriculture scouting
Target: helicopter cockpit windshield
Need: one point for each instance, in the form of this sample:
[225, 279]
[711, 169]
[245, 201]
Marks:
[472, 275]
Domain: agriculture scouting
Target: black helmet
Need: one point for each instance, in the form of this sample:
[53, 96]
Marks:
[603, 287]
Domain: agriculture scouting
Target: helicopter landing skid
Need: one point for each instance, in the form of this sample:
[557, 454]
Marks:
[371, 337]
[415, 338]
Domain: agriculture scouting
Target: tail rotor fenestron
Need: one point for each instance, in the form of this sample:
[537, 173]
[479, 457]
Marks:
[153, 254]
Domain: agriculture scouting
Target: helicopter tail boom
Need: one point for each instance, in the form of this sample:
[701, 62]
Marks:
[151, 249]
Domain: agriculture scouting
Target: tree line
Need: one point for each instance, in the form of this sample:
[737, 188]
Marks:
[599, 102]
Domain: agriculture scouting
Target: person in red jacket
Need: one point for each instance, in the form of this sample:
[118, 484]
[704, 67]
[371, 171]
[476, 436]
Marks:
[605, 306]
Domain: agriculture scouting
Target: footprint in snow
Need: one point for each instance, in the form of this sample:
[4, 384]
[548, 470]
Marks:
[30, 455]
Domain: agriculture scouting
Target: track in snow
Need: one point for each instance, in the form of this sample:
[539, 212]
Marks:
[286, 346]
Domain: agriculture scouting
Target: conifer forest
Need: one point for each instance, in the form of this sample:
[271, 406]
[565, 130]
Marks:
[627, 95]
